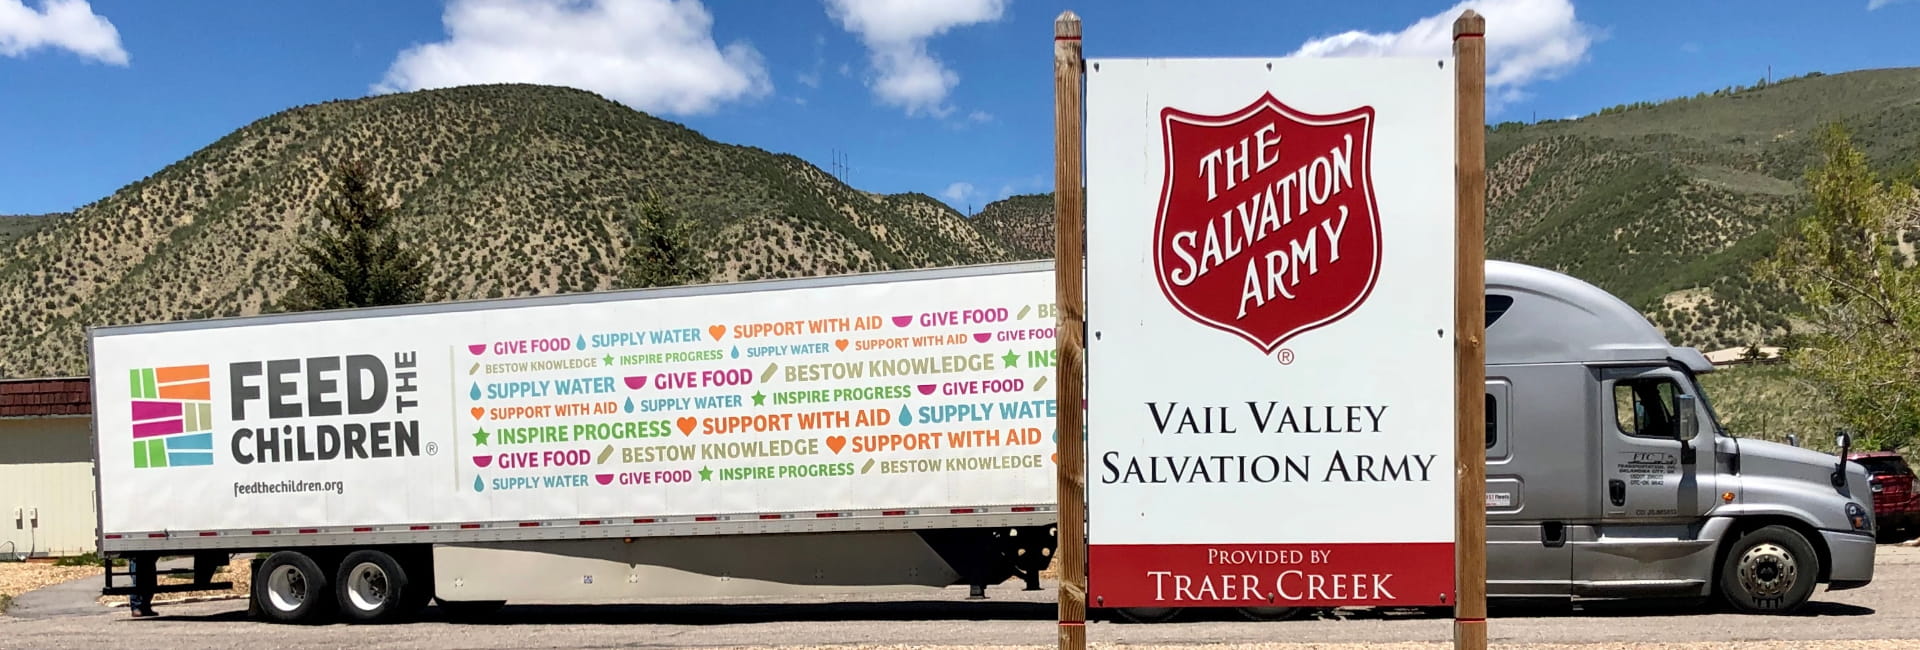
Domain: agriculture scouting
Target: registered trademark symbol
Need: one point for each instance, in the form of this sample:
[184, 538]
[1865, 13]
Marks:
[1286, 356]
[432, 448]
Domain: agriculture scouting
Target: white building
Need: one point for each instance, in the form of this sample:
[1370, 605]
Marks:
[46, 468]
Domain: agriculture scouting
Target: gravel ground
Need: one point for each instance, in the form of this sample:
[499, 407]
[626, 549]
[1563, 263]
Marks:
[21, 577]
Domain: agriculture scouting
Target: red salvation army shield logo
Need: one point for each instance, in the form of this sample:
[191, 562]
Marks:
[1267, 225]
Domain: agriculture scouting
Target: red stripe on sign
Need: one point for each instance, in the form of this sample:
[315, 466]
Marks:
[418, 527]
[1273, 575]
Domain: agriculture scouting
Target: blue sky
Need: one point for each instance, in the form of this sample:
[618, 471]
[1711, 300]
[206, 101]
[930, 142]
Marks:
[950, 98]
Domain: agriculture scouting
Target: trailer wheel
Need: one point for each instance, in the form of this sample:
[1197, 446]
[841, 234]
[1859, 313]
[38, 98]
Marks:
[1148, 614]
[289, 587]
[372, 587]
[1769, 570]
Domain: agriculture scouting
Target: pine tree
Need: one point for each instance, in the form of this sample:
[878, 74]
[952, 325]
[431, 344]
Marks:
[356, 260]
[660, 253]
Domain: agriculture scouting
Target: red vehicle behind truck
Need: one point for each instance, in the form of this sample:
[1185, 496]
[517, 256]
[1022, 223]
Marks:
[1895, 504]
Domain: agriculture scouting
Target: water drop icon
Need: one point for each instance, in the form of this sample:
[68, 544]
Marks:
[478, 485]
[906, 417]
[736, 352]
[629, 407]
[579, 342]
[475, 393]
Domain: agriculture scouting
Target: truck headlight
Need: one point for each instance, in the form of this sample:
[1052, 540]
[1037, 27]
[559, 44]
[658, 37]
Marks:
[1857, 516]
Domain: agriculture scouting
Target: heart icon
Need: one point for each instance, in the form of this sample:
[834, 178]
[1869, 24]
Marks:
[604, 479]
[686, 425]
[717, 331]
[637, 383]
[477, 349]
[477, 412]
[483, 461]
[902, 321]
[836, 442]
[927, 389]
[841, 343]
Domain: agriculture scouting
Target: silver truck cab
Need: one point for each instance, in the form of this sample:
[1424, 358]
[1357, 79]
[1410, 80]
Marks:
[1609, 475]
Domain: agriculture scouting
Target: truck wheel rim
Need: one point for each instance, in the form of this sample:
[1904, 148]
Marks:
[1768, 571]
[367, 586]
[286, 588]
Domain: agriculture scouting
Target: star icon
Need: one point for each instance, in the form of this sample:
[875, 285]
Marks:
[480, 437]
[706, 474]
[608, 359]
[759, 398]
[1012, 359]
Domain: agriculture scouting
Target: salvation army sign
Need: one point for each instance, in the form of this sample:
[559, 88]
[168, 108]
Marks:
[1267, 225]
[1270, 297]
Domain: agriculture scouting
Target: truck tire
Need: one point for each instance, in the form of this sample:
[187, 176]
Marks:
[290, 587]
[372, 587]
[1769, 570]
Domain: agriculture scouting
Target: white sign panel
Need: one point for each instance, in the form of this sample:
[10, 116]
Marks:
[1270, 303]
[885, 395]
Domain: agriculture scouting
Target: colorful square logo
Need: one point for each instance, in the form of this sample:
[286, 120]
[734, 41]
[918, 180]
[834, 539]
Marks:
[172, 416]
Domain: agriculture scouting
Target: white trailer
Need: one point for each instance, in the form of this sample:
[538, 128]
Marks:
[845, 433]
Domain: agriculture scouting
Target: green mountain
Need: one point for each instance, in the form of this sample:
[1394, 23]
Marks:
[1667, 205]
[506, 190]
[519, 189]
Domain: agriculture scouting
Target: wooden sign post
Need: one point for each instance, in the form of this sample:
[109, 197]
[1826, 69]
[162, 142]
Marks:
[1070, 344]
[1213, 171]
[1469, 331]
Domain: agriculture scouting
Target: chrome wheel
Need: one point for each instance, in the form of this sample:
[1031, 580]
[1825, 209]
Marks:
[367, 586]
[1768, 571]
[287, 588]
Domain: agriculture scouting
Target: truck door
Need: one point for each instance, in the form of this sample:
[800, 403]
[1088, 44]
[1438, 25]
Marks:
[1651, 475]
[1527, 552]
[1653, 486]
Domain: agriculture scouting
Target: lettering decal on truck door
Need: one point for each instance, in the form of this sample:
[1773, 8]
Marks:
[1267, 225]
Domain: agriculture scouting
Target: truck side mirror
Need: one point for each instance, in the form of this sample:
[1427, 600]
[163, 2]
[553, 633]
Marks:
[1689, 418]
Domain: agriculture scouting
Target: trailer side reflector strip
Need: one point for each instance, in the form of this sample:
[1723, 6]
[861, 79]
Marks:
[643, 520]
[418, 527]
[309, 531]
[826, 515]
[706, 518]
[529, 524]
[363, 529]
[113, 536]
[156, 535]
[892, 513]
[589, 522]
[263, 532]
[208, 533]
[1024, 508]
[963, 511]
[466, 526]
[771, 517]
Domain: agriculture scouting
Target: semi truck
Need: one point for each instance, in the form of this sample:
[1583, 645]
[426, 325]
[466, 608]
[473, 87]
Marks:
[867, 432]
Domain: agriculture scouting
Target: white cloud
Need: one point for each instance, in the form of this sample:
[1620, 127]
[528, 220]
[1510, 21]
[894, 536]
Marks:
[1527, 41]
[1876, 4]
[658, 56]
[65, 24]
[980, 116]
[896, 33]
[958, 192]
